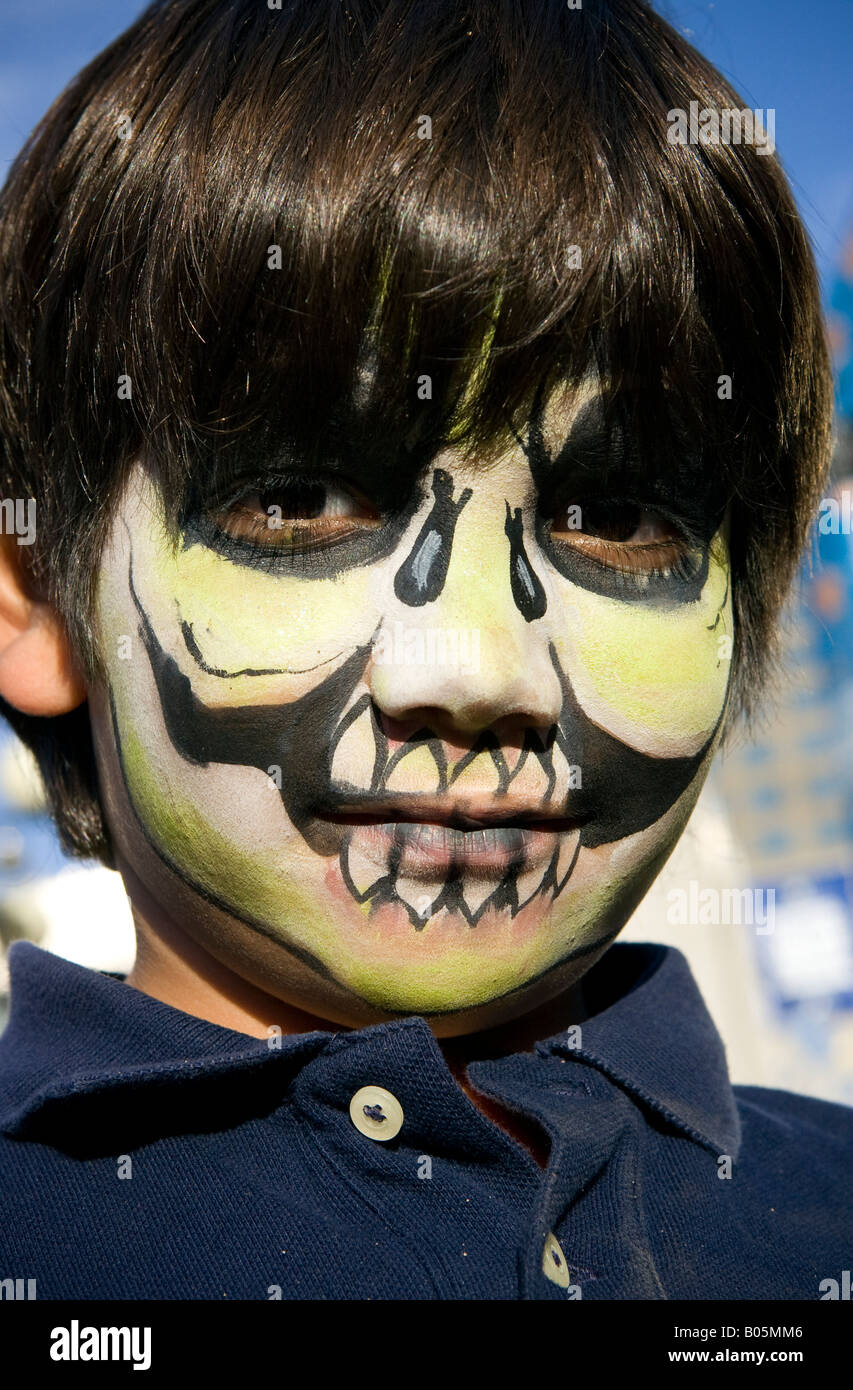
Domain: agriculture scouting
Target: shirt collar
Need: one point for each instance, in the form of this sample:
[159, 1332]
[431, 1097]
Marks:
[73, 1031]
[651, 1032]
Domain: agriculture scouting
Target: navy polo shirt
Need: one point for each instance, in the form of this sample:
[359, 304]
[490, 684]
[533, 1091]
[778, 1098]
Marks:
[146, 1153]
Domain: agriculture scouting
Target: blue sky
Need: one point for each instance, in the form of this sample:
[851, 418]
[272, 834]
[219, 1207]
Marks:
[785, 54]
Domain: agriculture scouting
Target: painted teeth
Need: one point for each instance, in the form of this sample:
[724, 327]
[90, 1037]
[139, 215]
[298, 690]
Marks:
[513, 756]
[452, 839]
[474, 893]
[488, 771]
[527, 885]
[419, 896]
[361, 871]
[477, 774]
[531, 780]
[416, 768]
[352, 762]
[565, 858]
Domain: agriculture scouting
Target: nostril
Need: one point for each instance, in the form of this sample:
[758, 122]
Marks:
[403, 729]
[510, 733]
[395, 728]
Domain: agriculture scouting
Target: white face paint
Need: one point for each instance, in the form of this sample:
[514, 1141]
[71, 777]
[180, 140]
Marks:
[421, 762]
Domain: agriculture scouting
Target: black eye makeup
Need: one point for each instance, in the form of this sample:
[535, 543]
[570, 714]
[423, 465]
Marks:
[297, 523]
[604, 520]
[297, 512]
[306, 509]
[627, 549]
[615, 525]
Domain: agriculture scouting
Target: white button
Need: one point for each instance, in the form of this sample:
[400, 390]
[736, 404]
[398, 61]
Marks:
[376, 1113]
[554, 1262]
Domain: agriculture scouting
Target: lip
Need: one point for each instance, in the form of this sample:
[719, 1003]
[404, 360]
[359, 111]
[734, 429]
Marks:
[481, 839]
[465, 813]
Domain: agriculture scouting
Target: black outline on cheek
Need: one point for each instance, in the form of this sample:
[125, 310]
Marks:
[712, 627]
[195, 652]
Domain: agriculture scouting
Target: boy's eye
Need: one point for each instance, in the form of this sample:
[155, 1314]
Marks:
[625, 534]
[297, 511]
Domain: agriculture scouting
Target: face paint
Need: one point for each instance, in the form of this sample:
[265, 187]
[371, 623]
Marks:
[428, 839]
[421, 576]
[527, 591]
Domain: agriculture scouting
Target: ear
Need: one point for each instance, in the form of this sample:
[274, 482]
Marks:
[38, 671]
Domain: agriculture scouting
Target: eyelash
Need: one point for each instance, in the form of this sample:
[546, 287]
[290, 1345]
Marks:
[619, 558]
[270, 544]
[679, 567]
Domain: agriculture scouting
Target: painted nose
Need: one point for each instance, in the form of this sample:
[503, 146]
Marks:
[476, 655]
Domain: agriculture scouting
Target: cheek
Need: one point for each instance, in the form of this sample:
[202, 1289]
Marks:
[654, 678]
[245, 619]
[237, 621]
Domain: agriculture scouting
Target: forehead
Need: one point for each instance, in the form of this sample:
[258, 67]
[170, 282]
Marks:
[572, 427]
[582, 432]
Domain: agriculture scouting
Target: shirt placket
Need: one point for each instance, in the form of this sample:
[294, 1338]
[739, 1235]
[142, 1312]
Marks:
[380, 1104]
[589, 1220]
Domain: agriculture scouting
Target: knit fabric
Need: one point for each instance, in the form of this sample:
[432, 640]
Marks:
[146, 1153]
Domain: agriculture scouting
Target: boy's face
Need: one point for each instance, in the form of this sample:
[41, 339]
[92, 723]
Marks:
[426, 762]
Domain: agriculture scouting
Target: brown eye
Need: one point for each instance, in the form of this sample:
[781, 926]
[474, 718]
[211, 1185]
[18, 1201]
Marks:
[626, 535]
[297, 512]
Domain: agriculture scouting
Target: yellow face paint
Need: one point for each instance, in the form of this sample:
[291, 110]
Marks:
[656, 678]
[431, 834]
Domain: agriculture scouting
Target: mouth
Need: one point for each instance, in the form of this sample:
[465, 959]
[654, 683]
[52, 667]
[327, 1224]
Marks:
[422, 838]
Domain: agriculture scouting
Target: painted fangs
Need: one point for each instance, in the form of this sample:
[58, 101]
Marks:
[419, 896]
[480, 774]
[416, 768]
[474, 893]
[361, 872]
[512, 756]
[531, 780]
[470, 893]
[355, 752]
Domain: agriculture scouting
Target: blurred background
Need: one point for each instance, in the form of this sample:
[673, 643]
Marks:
[759, 891]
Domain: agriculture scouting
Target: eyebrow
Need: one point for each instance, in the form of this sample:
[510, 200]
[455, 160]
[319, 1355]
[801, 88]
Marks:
[597, 448]
[350, 450]
[591, 444]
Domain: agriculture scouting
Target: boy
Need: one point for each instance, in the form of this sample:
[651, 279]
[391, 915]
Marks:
[423, 441]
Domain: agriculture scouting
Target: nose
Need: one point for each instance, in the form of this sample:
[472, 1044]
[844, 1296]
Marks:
[470, 659]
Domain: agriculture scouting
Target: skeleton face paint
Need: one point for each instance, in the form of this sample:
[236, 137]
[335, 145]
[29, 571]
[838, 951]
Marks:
[423, 833]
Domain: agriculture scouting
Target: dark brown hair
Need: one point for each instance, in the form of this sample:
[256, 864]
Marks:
[135, 229]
